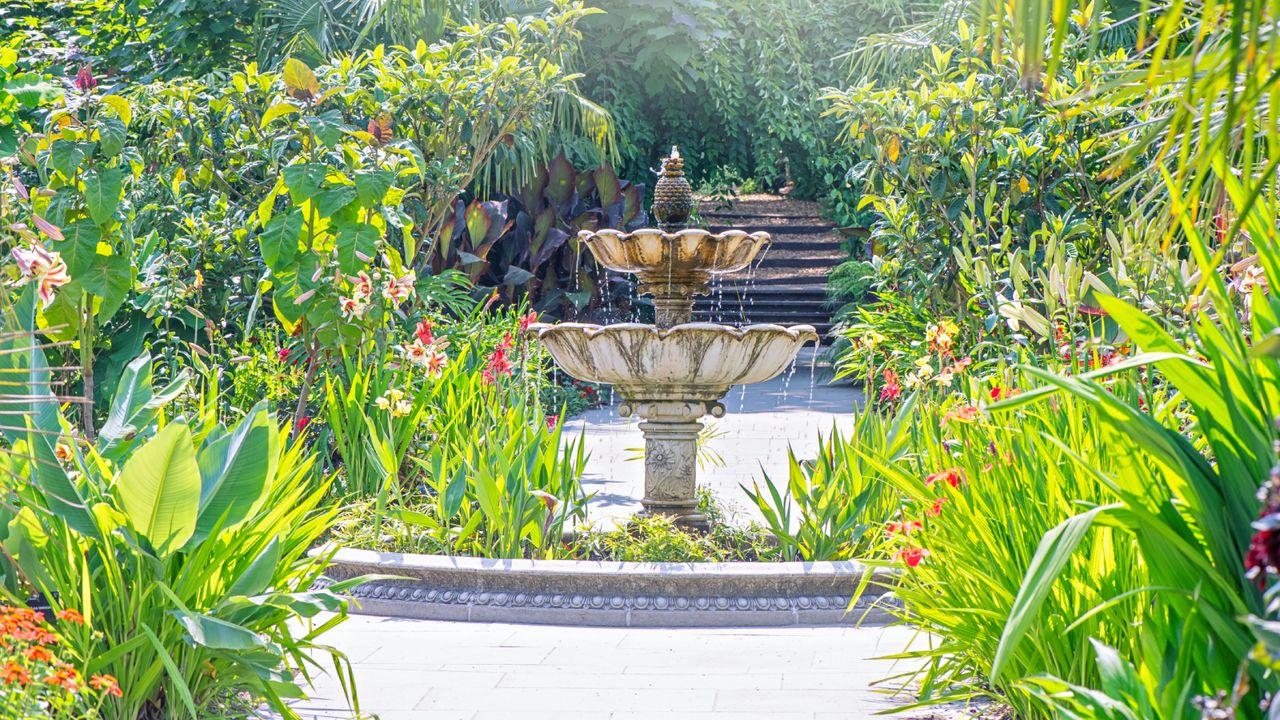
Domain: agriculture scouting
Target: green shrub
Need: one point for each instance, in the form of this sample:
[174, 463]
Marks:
[975, 180]
[835, 506]
[182, 544]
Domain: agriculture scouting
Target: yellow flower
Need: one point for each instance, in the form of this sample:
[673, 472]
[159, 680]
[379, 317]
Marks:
[871, 338]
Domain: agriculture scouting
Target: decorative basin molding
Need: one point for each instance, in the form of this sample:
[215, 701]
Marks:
[692, 361]
[655, 254]
[614, 594]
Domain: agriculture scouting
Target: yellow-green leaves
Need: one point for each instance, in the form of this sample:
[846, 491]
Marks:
[278, 111]
[159, 488]
[300, 81]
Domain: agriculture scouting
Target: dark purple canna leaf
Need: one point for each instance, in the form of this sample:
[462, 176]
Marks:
[561, 178]
[585, 185]
[532, 194]
[545, 221]
[633, 195]
[608, 185]
[589, 220]
[556, 239]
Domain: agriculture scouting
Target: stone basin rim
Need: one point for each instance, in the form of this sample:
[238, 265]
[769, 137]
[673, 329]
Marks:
[624, 235]
[614, 594]
[738, 332]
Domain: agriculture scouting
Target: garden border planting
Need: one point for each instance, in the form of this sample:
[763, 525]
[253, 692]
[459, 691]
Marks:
[613, 594]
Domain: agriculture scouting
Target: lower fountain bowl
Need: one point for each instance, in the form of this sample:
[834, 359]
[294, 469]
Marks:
[692, 361]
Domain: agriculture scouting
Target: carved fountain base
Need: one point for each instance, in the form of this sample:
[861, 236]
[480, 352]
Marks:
[671, 429]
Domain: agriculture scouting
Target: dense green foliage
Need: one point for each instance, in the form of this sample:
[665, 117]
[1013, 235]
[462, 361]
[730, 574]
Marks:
[182, 543]
[735, 84]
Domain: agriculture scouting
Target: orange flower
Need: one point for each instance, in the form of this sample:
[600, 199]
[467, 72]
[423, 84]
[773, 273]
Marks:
[107, 684]
[936, 509]
[15, 674]
[966, 414]
[39, 653]
[71, 616]
[65, 677]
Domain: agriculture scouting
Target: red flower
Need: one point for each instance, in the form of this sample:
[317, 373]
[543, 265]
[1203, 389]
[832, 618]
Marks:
[952, 476]
[283, 354]
[906, 527]
[71, 616]
[936, 509]
[85, 81]
[107, 684]
[528, 319]
[552, 421]
[303, 422]
[912, 555]
[423, 331]
[498, 363]
[892, 389]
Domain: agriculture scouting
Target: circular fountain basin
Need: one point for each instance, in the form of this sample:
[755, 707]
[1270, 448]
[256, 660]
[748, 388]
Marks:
[615, 594]
[692, 361]
[659, 254]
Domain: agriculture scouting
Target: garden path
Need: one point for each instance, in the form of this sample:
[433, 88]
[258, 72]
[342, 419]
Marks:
[428, 670]
[762, 422]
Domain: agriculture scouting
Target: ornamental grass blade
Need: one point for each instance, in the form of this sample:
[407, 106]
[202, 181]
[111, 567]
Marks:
[1055, 549]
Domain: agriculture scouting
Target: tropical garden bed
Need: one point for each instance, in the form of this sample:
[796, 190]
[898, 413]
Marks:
[267, 287]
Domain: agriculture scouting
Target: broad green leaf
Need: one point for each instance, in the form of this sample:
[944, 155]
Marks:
[135, 406]
[102, 191]
[258, 576]
[299, 77]
[121, 107]
[330, 200]
[109, 279]
[372, 186]
[210, 632]
[303, 181]
[279, 239]
[277, 111]
[111, 136]
[79, 247]
[235, 473]
[352, 239]
[159, 488]
[65, 156]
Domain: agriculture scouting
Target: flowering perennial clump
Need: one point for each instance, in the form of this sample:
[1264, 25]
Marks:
[36, 679]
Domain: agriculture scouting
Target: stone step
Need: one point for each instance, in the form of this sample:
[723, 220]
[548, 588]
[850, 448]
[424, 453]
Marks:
[800, 262]
[814, 304]
[771, 217]
[785, 290]
[771, 229]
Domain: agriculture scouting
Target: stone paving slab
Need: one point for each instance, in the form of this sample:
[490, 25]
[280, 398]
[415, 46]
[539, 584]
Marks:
[434, 670]
[762, 423]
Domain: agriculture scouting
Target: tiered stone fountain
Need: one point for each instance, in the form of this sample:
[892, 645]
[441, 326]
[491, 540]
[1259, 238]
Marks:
[675, 371]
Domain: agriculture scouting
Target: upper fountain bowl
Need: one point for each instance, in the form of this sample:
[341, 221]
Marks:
[680, 256]
[693, 361]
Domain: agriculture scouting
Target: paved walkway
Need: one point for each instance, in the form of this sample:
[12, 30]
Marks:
[762, 422]
[421, 670]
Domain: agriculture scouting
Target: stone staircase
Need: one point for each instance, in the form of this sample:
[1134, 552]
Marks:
[788, 285]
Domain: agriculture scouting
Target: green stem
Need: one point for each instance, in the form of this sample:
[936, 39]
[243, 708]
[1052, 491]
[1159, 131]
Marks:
[86, 365]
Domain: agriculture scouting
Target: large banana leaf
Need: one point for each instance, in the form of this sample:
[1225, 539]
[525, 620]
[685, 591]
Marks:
[159, 488]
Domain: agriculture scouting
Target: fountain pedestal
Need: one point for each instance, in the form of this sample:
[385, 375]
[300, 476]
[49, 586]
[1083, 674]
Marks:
[675, 371]
[671, 429]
